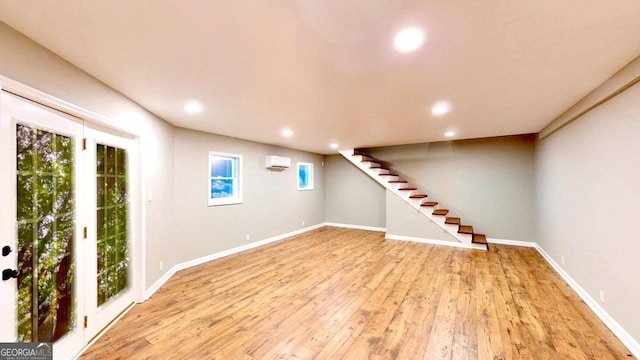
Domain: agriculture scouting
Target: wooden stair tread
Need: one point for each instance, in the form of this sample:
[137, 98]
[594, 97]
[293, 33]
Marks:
[398, 181]
[387, 174]
[408, 189]
[378, 167]
[452, 221]
[440, 212]
[479, 239]
[418, 196]
[465, 229]
[429, 203]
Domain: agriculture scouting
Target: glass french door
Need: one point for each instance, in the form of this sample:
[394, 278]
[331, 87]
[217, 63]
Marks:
[108, 248]
[64, 227]
[41, 234]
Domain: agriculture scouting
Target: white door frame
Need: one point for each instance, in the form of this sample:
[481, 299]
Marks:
[18, 111]
[100, 316]
[7, 215]
[96, 121]
[100, 122]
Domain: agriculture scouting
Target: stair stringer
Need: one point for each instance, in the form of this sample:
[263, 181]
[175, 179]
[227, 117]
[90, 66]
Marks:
[464, 239]
[404, 220]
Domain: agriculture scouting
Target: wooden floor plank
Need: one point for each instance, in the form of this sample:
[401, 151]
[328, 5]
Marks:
[336, 293]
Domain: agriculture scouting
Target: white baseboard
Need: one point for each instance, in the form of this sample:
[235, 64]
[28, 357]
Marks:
[632, 344]
[195, 262]
[435, 242]
[158, 284]
[359, 227]
[104, 331]
[512, 242]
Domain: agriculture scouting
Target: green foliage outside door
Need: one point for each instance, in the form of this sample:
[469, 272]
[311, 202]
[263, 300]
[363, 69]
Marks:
[45, 233]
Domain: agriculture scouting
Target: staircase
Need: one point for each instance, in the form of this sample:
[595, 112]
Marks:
[380, 172]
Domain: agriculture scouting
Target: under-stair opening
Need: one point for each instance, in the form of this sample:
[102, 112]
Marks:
[382, 173]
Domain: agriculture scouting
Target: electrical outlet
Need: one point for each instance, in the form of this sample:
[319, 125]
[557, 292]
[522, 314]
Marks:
[302, 222]
[161, 265]
[602, 295]
[562, 259]
[248, 237]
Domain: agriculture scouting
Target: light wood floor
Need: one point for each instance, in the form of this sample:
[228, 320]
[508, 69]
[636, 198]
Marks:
[335, 293]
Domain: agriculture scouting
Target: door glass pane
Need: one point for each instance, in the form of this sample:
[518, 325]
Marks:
[112, 222]
[45, 233]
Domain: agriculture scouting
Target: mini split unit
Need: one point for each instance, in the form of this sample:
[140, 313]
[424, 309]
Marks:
[277, 162]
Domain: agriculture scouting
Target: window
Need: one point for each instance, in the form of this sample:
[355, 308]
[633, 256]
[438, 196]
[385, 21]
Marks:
[305, 176]
[225, 172]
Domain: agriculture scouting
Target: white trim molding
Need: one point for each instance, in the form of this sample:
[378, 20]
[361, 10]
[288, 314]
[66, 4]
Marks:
[512, 242]
[626, 338]
[436, 242]
[357, 227]
[104, 330]
[158, 284]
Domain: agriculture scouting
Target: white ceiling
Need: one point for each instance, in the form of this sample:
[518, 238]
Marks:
[327, 68]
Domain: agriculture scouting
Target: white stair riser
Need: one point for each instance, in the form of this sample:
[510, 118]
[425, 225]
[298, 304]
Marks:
[439, 219]
[416, 202]
[452, 229]
[371, 163]
[428, 209]
[359, 158]
[380, 171]
[398, 185]
[389, 178]
[407, 193]
[465, 238]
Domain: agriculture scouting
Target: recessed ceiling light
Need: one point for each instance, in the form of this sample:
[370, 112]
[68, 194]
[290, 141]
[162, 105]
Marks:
[193, 107]
[441, 108]
[408, 40]
[449, 133]
[287, 132]
[334, 146]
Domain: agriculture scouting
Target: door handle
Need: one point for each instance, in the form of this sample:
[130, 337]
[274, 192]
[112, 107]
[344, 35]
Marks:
[8, 274]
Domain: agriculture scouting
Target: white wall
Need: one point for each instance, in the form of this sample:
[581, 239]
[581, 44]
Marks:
[271, 205]
[588, 202]
[488, 183]
[404, 220]
[352, 196]
[27, 62]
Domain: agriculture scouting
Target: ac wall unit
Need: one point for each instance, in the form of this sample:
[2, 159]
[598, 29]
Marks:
[278, 162]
